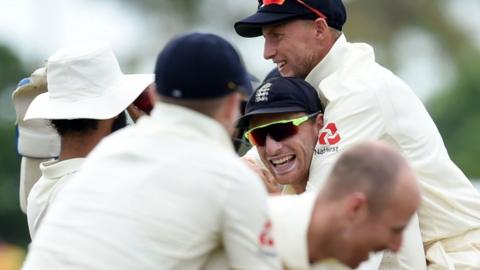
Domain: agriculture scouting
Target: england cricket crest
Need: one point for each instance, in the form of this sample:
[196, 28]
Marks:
[262, 93]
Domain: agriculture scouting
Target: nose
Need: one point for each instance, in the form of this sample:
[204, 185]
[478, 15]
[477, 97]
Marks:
[272, 147]
[269, 49]
[396, 243]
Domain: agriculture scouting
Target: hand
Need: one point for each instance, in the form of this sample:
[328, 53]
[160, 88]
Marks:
[36, 138]
[135, 112]
[268, 179]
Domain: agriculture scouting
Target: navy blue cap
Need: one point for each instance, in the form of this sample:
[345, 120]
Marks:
[279, 11]
[281, 95]
[200, 66]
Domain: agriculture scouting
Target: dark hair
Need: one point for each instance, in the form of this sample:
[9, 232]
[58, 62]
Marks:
[64, 126]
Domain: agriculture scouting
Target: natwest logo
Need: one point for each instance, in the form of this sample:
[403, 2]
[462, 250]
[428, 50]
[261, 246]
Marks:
[265, 237]
[266, 240]
[329, 136]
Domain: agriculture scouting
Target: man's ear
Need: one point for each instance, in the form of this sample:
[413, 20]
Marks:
[356, 208]
[319, 121]
[321, 28]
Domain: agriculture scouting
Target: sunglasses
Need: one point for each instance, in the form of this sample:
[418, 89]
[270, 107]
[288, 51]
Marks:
[278, 130]
[301, 2]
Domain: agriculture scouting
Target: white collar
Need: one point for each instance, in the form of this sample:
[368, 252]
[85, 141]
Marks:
[54, 168]
[181, 118]
[330, 63]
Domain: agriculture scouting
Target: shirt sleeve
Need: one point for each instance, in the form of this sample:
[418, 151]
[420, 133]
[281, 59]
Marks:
[247, 229]
[291, 215]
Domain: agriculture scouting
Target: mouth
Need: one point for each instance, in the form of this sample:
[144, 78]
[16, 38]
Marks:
[283, 164]
[280, 65]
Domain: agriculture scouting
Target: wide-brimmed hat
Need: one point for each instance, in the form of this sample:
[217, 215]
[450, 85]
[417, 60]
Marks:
[85, 81]
[281, 95]
[272, 12]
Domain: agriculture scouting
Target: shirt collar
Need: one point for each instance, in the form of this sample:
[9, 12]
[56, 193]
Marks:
[174, 117]
[53, 169]
[330, 63]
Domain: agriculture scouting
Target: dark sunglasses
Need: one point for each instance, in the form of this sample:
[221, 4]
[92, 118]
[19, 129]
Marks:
[301, 2]
[278, 130]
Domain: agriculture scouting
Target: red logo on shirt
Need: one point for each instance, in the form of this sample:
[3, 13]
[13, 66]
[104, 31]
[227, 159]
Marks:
[265, 238]
[330, 136]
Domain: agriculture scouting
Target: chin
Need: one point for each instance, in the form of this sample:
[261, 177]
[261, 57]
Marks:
[357, 261]
[284, 180]
[352, 263]
[286, 73]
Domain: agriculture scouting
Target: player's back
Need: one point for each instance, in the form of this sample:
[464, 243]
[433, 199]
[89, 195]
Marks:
[152, 197]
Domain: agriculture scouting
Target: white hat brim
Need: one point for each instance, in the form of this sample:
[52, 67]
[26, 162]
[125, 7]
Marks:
[111, 103]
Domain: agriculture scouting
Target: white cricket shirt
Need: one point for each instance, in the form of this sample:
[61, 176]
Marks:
[163, 194]
[364, 101]
[54, 176]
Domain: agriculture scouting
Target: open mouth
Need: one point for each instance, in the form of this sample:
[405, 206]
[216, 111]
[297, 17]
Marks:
[281, 65]
[283, 164]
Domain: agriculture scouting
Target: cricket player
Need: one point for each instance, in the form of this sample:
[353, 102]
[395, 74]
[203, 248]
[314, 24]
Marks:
[86, 98]
[365, 101]
[169, 191]
[364, 207]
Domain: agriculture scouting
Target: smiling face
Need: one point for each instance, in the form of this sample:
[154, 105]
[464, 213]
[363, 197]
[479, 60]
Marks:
[289, 159]
[296, 46]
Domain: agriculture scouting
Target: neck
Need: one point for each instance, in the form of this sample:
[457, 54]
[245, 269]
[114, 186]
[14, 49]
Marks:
[300, 187]
[79, 145]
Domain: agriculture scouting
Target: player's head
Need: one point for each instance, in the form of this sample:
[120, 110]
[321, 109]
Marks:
[203, 72]
[372, 193]
[284, 116]
[86, 89]
[298, 33]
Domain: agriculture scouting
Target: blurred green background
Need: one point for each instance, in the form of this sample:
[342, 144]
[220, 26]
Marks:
[434, 45]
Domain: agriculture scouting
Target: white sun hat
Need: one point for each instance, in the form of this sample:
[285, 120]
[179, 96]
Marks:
[86, 82]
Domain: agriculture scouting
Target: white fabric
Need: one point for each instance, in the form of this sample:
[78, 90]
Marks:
[364, 101]
[29, 175]
[55, 174]
[85, 81]
[36, 138]
[459, 253]
[291, 216]
[164, 193]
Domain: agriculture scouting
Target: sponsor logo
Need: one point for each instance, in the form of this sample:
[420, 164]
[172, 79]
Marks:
[265, 239]
[327, 140]
[330, 135]
[327, 149]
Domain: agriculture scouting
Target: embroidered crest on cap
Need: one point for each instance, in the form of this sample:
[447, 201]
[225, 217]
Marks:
[262, 93]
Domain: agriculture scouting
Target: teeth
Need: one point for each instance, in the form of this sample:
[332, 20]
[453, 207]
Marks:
[281, 160]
